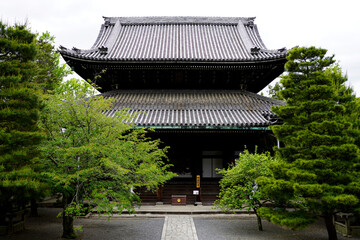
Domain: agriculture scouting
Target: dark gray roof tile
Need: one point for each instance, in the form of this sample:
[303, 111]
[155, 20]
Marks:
[177, 38]
[201, 108]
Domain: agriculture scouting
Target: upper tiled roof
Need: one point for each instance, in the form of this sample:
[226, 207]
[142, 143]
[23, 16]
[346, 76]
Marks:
[194, 108]
[177, 39]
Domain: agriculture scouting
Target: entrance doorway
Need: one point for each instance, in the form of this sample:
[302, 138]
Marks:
[211, 162]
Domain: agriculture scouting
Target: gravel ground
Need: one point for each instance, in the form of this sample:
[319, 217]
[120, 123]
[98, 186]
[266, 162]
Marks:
[122, 228]
[47, 227]
[208, 227]
[245, 228]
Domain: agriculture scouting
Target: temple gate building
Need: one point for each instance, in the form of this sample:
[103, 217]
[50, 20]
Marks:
[192, 79]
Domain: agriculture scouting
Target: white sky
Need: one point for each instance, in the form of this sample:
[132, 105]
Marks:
[330, 24]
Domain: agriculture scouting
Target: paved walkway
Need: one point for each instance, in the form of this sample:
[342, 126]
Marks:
[179, 227]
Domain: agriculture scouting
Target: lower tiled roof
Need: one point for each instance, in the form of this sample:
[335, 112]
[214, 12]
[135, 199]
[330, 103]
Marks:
[194, 108]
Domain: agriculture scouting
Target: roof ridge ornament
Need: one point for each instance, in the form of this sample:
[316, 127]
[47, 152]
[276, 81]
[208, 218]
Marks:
[62, 48]
[280, 50]
[103, 50]
[77, 50]
[74, 50]
[250, 23]
[255, 50]
[271, 117]
[108, 23]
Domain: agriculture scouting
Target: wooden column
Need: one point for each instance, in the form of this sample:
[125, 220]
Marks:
[159, 196]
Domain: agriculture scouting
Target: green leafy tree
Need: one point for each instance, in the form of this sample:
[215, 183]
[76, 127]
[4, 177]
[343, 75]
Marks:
[19, 114]
[94, 160]
[318, 172]
[50, 72]
[238, 187]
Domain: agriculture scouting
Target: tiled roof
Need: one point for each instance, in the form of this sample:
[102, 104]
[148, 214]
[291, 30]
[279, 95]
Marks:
[177, 39]
[194, 108]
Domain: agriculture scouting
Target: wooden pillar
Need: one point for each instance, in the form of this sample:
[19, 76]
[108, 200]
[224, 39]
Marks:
[159, 196]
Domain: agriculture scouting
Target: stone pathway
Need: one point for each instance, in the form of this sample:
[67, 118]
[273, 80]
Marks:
[179, 227]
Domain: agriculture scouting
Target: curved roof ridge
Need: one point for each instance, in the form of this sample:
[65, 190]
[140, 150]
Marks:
[179, 20]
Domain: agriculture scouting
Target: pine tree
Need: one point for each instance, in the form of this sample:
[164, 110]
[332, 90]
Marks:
[318, 172]
[50, 72]
[19, 114]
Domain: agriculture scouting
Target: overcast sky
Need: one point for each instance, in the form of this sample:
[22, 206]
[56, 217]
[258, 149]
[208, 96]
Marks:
[330, 24]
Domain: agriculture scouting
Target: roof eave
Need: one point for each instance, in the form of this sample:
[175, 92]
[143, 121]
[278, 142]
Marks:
[173, 61]
[181, 127]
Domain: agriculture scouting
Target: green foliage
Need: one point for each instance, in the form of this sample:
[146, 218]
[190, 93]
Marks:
[275, 91]
[355, 120]
[95, 160]
[238, 187]
[50, 72]
[19, 114]
[294, 220]
[320, 153]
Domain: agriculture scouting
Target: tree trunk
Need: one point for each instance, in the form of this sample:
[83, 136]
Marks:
[33, 208]
[68, 227]
[5, 207]
[329, 223]
[258, 220]
[2, 216]
[259, 223]
[68, 221]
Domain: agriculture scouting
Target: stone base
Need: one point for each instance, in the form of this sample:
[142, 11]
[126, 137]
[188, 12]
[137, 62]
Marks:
[343, 224]
[347, 231]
